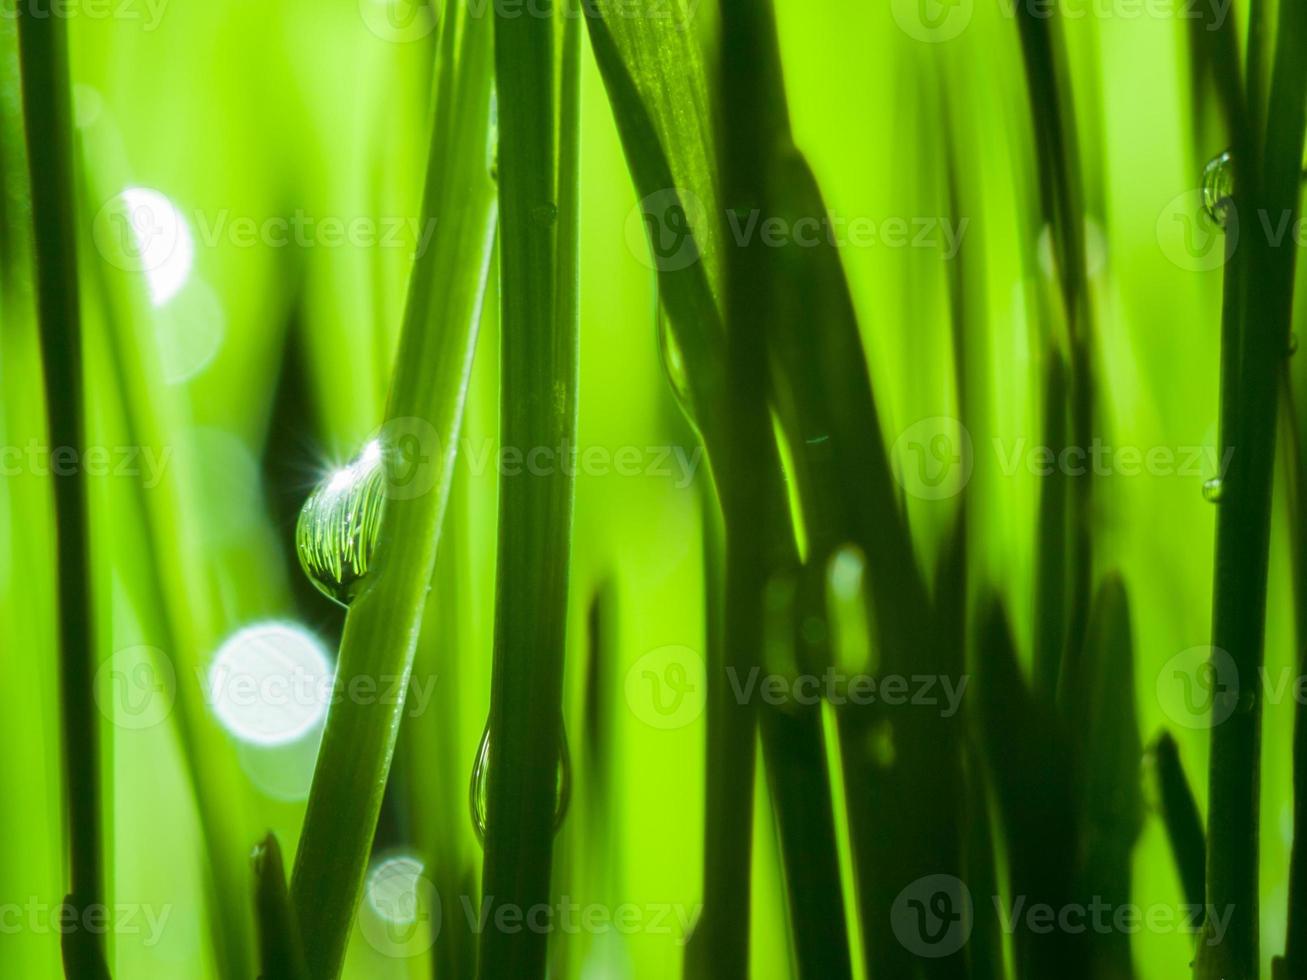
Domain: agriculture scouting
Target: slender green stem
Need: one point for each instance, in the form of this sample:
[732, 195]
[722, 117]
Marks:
[47, 112]
[424, 417]
[1262, 272]
[539, 201]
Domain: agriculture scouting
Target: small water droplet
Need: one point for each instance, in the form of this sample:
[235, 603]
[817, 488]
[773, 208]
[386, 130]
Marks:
[1218, 187]
[544, 214]
[1213, 489]
[669, 352]
[338, 525]
[480, 788]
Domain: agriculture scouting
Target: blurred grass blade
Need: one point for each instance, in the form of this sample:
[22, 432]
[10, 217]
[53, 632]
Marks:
[1026, 756]
[281, 954]
[539, 201]
[1180, 815]
[426, 404]
[43, 46]
[83, 949]
[1108, 754]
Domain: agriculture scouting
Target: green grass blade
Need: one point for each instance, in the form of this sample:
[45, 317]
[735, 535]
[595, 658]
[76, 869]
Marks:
[1263, 274]
[1180, 815]
[538, 201]
[426, 404]
[43, 46]
[281, 954]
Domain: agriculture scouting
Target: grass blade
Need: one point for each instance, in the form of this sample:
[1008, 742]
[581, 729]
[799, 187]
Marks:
[1183, 821]
[281, 954]
[43, 46]
[426, 403]
[539, 201]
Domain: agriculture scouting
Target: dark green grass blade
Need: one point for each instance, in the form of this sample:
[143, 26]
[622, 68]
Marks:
[1051, 582]
[538, 201]
[1184, 823]
[47, 112]
[1026, 758]
[1262, 311]
[1108, 754]
[281, 952]
[427, 397]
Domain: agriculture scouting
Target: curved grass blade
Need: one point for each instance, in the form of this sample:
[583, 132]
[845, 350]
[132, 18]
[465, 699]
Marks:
[426, 403]
[1180, 815]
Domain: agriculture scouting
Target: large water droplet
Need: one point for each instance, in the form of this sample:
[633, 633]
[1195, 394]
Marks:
[1218, 187]
[1213, 490]
[480, 789]
[338, 525]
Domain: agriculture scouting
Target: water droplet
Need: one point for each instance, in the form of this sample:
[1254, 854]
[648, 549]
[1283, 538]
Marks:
[339, 523]
[1293, 344]
[480, 789]
[544, 214]
[669, 351]
[1213, 490]
[1218, 187]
